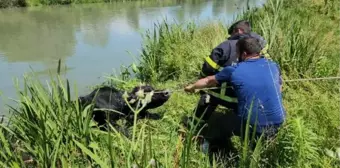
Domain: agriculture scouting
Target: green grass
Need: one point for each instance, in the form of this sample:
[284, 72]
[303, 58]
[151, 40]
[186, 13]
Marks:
[303, 38]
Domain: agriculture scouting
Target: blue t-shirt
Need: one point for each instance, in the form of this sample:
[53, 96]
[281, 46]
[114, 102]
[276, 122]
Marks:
[257, 85]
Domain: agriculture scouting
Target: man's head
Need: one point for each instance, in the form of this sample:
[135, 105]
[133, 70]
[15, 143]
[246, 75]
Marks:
[247, 47]
[240, 27]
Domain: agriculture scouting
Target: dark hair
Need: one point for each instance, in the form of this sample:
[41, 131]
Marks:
[241, 24]
[250, 45]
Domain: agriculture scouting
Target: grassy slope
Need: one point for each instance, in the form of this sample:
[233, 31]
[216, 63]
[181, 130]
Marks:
[305, 42]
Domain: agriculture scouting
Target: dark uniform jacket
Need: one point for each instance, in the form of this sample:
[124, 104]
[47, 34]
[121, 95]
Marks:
[225, 55]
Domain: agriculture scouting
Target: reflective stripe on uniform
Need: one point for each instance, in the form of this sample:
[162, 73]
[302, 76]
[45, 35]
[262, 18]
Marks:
[223, 88]
[212, 63]
[222, 94]
[264, 52]
[222, 97]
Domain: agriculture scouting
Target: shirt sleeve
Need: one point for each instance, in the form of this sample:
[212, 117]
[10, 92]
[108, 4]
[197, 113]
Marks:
[219, 55]
[225, 74]
[215, 56]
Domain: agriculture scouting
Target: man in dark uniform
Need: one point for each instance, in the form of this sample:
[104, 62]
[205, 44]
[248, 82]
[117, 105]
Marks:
[221, 56]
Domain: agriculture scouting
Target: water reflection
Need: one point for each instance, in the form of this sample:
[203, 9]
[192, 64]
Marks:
[49, 33]
[36, 35]
[92, 39]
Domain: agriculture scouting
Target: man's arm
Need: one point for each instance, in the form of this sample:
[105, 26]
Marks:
[223, 76]
[202, 83]
[217, 58]
[210, 65]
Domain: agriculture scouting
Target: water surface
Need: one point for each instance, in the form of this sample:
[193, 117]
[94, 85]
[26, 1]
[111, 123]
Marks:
[92, 39]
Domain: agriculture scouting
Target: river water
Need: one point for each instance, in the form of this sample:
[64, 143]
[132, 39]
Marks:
[91, 39]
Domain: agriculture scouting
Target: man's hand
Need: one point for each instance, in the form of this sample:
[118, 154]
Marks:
[190, 88]
[202, 83]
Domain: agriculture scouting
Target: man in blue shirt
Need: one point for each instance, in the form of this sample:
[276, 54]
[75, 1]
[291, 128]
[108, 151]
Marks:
[257, 83]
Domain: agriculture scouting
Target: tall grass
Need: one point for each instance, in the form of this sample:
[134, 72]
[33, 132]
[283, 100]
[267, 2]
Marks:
[173, 51]
[47, 122]
[48, 129]
[303, 45]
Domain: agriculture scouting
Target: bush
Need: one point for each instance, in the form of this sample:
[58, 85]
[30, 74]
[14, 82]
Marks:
[178, 50]
[12, 3]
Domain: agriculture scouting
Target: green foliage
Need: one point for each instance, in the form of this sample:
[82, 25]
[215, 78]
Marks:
[12, 3]
[174, 51]
[51, 130]
[47, 122]
[296, 145]
[303, 45]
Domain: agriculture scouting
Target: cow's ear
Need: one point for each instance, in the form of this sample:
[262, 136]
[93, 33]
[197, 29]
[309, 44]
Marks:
[132, 98]
[131, 101]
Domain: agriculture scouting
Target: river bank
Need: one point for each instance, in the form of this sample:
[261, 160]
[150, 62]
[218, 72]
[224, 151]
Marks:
[30, 3]
[37, 3]
[304, 41]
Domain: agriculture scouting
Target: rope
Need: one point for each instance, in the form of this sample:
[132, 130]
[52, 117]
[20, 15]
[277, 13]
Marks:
[288, 80]
[312, 79]
[180, 90]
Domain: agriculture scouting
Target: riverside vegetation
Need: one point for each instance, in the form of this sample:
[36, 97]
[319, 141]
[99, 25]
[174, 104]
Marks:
[25, 3]
[28, 3]
[303, 37]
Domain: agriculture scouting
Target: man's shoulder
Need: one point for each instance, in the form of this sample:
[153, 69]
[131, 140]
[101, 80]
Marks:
[227, 42]
[264, 62]
[255, 35]
[230, 68]
[226, 45]
[236, 37]
[257, 63]
[241, 66]
[225, 74]
[271, 62]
